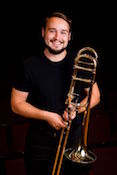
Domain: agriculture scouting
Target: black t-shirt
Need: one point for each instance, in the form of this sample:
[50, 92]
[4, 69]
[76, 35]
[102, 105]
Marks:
[47, 82]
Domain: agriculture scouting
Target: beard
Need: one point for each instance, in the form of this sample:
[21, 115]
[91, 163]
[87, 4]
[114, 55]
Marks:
[54, 51]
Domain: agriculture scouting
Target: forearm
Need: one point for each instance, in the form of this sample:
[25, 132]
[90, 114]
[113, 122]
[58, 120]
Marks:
[27, 110]
[83, 104]
[20, 106]
[94, 99]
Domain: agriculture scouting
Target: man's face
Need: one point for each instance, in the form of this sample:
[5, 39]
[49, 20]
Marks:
[56, 35]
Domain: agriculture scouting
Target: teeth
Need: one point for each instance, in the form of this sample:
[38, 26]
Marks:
[56, 43]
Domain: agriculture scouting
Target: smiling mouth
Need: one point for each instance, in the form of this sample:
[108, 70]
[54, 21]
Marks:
[57, 44]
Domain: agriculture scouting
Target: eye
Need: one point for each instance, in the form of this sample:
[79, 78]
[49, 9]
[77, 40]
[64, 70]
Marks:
[51, 30]
[64, 32]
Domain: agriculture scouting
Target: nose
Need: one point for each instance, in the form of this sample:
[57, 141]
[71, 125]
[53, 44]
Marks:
[57, 35]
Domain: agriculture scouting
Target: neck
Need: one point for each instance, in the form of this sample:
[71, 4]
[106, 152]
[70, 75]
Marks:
[55, 57]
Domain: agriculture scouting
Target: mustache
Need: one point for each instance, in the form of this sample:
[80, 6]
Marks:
[54, 51]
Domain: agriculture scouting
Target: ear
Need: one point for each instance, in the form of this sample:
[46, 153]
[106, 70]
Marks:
[43, 32]
[69, 36]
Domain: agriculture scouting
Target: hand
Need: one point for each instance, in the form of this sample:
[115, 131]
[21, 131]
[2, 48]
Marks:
[71, 114]
[56, 121]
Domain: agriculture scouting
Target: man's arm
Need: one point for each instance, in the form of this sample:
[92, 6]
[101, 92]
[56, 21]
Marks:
[20, 106]
[95, 98]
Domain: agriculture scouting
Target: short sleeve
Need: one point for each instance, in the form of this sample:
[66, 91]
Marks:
[21, 77]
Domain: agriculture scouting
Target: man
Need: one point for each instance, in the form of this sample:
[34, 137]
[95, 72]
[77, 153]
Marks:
[40, 93]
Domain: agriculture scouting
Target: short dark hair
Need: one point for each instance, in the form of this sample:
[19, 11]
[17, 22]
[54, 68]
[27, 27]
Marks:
[60, 15]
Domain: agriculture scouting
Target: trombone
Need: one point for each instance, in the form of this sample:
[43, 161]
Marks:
[84, 72]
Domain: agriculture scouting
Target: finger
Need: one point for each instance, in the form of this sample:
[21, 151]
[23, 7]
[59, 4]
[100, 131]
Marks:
[65, 123]
[65, 116]
[73, 115]
[57, 127]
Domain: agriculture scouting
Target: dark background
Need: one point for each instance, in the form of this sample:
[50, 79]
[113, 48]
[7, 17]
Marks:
[94, 25]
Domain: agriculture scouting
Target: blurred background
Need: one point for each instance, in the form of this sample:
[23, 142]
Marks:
[94, 25]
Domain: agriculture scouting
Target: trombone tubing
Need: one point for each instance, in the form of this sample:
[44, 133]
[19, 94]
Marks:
[55, 168]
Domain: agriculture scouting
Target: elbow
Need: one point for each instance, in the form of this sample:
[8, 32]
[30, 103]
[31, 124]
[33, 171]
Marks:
[98, 98]
[96, 94]
[95, 99]
[13, 108]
